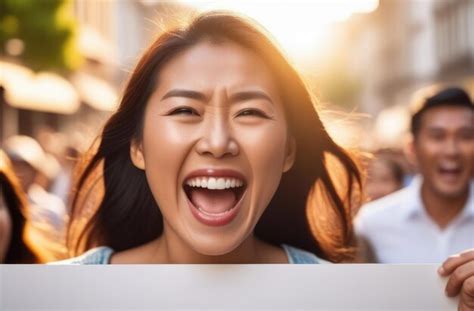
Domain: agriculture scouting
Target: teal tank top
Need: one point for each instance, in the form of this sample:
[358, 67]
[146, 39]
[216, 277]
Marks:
[101, 256]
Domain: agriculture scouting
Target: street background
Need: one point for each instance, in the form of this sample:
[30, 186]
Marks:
[64, 63]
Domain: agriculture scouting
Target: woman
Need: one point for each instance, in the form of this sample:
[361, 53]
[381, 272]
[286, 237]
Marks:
[215, 105]
[13, 248]
[217, 155]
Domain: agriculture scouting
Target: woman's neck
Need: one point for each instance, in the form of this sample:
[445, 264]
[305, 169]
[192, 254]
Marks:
[170, 248]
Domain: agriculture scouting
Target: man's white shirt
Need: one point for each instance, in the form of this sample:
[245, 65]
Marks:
[399, 230]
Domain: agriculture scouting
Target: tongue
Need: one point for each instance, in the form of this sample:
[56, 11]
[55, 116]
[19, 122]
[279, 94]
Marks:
[213, 201]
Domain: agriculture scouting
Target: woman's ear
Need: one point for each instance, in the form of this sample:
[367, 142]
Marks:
[136, 154]
[290, 154]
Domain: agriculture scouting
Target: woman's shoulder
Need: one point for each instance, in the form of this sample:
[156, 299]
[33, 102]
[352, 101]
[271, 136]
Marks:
[299, 256]
[101, 256]
[96, 256]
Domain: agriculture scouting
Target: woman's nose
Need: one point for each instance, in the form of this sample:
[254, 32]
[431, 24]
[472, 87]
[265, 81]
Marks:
[217, 139]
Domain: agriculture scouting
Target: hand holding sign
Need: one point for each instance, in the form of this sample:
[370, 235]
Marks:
[460, 269]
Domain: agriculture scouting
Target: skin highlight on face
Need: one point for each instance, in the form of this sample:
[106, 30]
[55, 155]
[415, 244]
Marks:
[216, 112]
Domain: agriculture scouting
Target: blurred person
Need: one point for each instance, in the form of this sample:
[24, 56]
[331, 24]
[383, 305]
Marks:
[384, 175]
[27, 158]
[14, 247]
[60, 146]
[433, 217]
[36, 170]
[62, 184]
[215, 155]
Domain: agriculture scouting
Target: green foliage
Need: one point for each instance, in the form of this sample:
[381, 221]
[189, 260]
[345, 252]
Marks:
[8, 26]
[47, 29]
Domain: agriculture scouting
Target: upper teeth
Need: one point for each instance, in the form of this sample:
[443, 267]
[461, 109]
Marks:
[449, 166]
[214, 183]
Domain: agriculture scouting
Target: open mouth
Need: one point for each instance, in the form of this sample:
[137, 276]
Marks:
[214, 200]
[450, 171]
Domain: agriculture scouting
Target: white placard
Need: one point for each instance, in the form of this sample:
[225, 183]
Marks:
[223, 287]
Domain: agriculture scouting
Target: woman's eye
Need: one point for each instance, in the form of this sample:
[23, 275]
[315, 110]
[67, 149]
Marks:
[184, 111]
[252, 113]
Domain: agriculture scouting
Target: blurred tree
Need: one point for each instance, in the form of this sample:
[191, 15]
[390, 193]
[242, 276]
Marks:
[47, 30]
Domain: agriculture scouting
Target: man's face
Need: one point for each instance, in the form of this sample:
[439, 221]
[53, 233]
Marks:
[444, 149]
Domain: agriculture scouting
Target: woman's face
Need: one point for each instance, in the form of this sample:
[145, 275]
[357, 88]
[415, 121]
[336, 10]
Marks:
[5, 228]
[215, 144]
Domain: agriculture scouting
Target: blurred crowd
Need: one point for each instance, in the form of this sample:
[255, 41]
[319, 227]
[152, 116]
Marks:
[420, 197]
[427, 216]
[36, 182]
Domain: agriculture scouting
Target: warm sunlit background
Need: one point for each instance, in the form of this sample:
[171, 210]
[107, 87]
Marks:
[63, 65]
[64, 62]
[303, 28]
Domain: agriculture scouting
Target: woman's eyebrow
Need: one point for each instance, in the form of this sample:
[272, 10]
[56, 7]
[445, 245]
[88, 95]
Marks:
[248, 95]
[185, 93]
[236, 97]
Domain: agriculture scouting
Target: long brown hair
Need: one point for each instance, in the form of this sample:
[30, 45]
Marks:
[16, 203]
[310, 209]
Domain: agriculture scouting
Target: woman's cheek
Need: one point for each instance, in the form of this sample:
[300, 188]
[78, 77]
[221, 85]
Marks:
[267, 148]
[166, 144]
[266, 152]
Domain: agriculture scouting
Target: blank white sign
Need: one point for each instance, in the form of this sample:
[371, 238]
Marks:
[223, 287]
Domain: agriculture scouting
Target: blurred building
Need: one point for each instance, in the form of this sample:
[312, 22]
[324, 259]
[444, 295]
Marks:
[111, 36]
[407, 45]
[114, 33]
[68, 102]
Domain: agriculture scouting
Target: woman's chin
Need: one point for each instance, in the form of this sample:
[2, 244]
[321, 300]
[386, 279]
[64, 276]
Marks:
[215, 246]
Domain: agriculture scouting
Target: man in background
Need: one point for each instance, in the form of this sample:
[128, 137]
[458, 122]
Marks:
[433, 217]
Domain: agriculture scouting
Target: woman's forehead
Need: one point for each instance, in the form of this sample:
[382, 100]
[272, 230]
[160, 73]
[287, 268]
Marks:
[209, 64]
